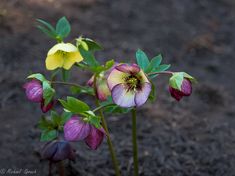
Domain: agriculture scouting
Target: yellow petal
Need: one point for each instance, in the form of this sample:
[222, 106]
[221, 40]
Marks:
[116, 77]
[71, 58]
[66, 47]
[54, 61]
[144, 79]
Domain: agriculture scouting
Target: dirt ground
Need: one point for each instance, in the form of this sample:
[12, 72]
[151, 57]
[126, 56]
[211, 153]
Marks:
[195, 137]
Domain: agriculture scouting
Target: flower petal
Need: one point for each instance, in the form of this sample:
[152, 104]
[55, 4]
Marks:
[95, 138]
[116, 77]
[122, 96]
[126, 68]
[54, 61]
[142, 95]
[75, 129]
[66, 47]
[143, 78]
[70, 59]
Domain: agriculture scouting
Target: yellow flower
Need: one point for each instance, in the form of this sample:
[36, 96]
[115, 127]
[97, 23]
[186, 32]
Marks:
[62, 55]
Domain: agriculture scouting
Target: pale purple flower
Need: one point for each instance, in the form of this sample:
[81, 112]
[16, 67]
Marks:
[58, 150]
[34, 90]
[129, 85]
[186, 90]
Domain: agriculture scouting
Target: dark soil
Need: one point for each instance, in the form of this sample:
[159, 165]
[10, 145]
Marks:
[195, 137]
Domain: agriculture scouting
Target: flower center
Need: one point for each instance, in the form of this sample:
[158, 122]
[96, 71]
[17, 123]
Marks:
[62, 53]
[132, 82]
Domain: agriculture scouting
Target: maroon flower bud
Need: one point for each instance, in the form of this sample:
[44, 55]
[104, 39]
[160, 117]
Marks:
[75, 129]
[95, 137]
[47, 107]
[57, 151]
[34, 91]
[186, 90]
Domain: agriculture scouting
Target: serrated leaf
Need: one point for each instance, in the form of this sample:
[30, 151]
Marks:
[154, 63]
[142, 59]
[80, 90]
[48, 135]
[37, 76]
[45, 124]
[63, 27]
[55, 118]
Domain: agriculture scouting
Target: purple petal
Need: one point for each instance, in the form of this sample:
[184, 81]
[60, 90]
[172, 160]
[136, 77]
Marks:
[75, 129]
[176, 93]
[102, 89]
[122, 96]
[142, 95]
[95, 138]
[186, 87]
[34, 91]
[90, 81]
[116, 77]
[131, 69]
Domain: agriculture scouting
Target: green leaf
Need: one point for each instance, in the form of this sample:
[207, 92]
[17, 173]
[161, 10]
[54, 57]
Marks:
[88, 57]
[47, 32]
[74, 105]
[192, 79]
[55, 118]
[37, 76]
[154, 63]
[45, 124]
[152, 96]
[48, 92]
[92, 45]
[161, 68]
[84, 45]
[63, 27]
[80, 90]
[142, 59]
[48, 25]
[48, 135]
[65, 117]
[176, 80]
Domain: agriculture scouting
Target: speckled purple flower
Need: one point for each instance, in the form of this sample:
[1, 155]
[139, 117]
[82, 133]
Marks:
[186, 90]
[129, 85]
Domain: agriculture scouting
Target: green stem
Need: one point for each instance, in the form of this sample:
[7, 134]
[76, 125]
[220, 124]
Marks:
[134, 143]
[102, 106]
[162, 72]
[105, 126]
[61, 168]
[66, 83]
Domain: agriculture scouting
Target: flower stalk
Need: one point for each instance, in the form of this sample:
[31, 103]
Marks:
[134, 143]
[105, 126]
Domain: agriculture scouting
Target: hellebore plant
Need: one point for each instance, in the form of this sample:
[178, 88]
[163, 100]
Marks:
[116, 88]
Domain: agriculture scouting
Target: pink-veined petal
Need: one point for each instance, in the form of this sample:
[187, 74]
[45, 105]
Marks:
[122, 96]
[142, 95]
[95, 138]
[126, 68]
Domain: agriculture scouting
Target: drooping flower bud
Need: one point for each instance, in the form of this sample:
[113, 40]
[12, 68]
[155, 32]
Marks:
[102, 90]
[47, 107]
[186, 90]
[75, 129]
[34, 90]
[58, 150]
[95, 137]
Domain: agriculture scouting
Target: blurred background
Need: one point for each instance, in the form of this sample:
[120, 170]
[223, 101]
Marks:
[193, 137]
